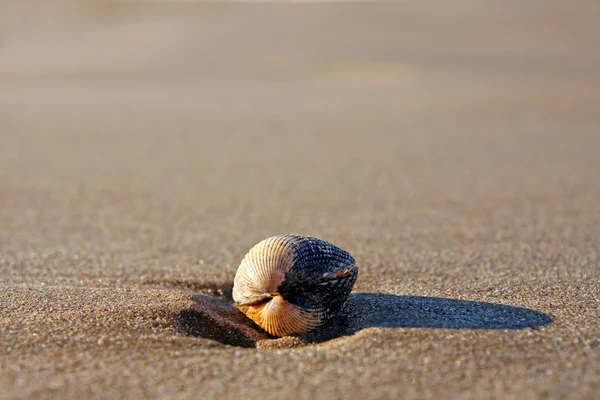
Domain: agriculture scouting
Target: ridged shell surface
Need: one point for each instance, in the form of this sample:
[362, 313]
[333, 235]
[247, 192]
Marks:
[290, 284]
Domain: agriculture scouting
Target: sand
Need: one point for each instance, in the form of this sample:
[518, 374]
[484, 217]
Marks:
[452, 148]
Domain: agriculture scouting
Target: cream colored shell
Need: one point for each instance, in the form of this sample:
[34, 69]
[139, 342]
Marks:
[290, 284]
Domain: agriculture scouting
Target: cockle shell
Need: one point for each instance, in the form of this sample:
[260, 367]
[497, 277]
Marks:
[290, 284]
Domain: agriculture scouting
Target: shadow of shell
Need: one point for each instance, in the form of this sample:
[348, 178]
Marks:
[217, 319]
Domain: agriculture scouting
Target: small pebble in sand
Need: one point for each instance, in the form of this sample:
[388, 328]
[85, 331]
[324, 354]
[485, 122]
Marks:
[290, 284]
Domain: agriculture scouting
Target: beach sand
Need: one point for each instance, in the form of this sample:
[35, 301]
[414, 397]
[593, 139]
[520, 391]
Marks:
[452, 148]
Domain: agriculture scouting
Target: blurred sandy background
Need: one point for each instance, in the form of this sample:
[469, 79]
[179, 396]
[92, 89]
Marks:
[453, 147]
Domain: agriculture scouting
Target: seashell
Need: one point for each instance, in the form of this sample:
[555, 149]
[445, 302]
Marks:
[290, 284]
